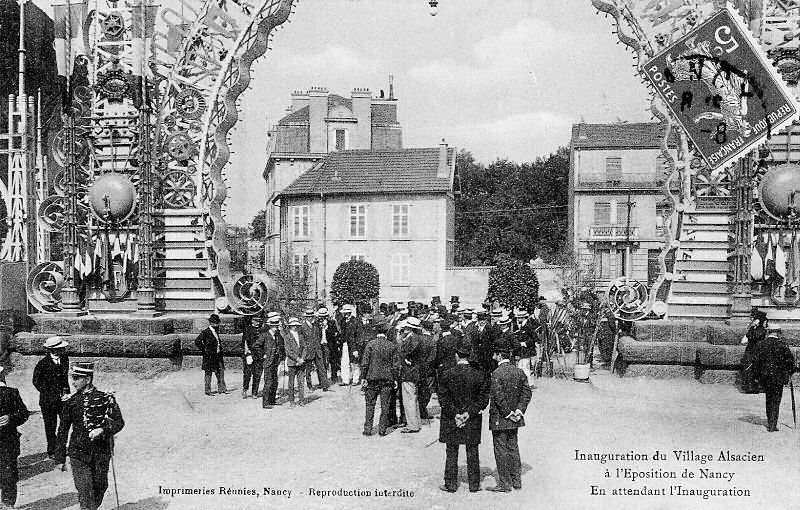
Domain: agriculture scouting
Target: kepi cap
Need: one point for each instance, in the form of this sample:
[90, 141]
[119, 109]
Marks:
[83, 369]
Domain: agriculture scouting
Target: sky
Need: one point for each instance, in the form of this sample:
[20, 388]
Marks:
[502, 79]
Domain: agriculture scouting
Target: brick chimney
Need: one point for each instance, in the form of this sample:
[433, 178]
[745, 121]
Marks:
[361, 137]
[443, 170]
[299, 100]
[317, 111]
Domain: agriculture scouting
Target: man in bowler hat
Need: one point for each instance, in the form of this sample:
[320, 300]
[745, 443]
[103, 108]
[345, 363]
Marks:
[51, 379]
[463, 394]
[210, 345]
[510, 394]
[773, 366]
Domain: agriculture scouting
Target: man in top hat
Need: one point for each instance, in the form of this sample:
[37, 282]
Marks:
[756, 333]
[773, 366]
[13, 413]
[210, 345]
[379, 365]
[51, 380]
[463, 394]
[252, 355]
[313, 334]
[274, 353]
[94, 418]
[510, 395]
[296, 357]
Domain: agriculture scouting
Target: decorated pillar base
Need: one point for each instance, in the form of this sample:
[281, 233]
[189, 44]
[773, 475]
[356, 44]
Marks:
[71, 304]
[146, 303]
[740, 306]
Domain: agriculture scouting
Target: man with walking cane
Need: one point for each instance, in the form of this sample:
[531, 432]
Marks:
[95, 418]
[773, 367]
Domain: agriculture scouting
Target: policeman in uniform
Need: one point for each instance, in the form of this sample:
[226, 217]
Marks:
[94, 418]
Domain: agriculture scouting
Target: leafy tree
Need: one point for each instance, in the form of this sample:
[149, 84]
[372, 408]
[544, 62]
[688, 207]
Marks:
[513, 283]
[512, 208]
[259, 225]
[354, 281]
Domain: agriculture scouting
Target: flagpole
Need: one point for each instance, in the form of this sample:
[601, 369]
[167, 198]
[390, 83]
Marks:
[71, 301]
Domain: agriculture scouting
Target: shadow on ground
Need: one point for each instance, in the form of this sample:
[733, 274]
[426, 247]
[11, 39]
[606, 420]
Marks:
[35, 464]
[153, 503]
[755, 420]
[59, 502]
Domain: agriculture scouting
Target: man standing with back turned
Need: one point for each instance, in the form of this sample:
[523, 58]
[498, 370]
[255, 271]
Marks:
[510, 397]
[463, 394]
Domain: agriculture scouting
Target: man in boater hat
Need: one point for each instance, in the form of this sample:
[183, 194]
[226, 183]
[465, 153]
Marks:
[51, 379]
[95, 418]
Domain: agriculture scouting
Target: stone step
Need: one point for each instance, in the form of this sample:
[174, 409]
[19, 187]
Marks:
[699, 311]
[711, 266]
[201, 264]
[703, 255]
[697, 227]
[184, 304]
[700, 244]
[183, 283]
[698, 288]
[705, 236]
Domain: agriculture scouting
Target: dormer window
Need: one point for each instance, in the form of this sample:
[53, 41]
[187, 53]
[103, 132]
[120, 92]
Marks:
[341, 139]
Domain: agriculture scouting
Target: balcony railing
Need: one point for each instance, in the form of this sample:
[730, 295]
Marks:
[612, 233]
[625, 180]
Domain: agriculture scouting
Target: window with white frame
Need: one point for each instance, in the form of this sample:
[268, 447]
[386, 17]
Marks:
[300, 220]
[400, 219]
[358, 220]
[300, 264]
[358, 256]
[401, 268]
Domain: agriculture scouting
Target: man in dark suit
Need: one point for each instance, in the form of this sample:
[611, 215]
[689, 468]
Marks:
[296, 357]
[463, 394]
[773, 366]
[351, 348]
[94, 418]
[316, 361]
[756, 333]
[526, 338]
[379, 366]
[510, 397]
[427, 373]
[51, 379]
[210, 346]
[13, 413]
[252, 355]
[329, 332]
[273, 355]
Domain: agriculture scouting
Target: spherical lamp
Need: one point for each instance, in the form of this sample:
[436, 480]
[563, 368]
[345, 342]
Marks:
[780, 192]
[112, 196]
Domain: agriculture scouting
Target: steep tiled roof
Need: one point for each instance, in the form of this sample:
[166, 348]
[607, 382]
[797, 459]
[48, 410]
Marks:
[366, 171]
[620, 135]
[300, 115]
